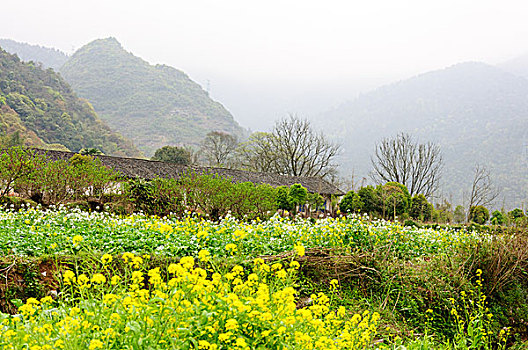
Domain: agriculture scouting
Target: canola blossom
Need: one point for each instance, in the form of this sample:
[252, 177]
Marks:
[185, 307]
[131, 294]
[34, 232]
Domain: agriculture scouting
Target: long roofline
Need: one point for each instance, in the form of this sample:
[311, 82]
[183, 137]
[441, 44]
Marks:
[150, 169]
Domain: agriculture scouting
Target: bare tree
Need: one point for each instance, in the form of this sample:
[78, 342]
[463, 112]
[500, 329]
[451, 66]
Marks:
[418, 166]
[302, 151]
[293, 148]
[217, 147]
[257, 153]
[482, 190]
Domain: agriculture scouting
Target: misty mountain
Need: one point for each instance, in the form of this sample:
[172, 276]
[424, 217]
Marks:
[517, 65]
[153, 105]
[43, 109]
[50, 58]
[477, 113]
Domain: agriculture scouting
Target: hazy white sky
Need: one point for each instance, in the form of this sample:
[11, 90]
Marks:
[292, 43]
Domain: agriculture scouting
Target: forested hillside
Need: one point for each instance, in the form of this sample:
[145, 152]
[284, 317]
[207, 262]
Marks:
[477, 113]
[50, 58]
[43, 109]
[152, 105]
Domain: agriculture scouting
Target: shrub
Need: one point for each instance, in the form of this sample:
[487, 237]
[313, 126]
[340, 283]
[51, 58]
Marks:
[315, 201]
[298, 194]
[395, 198]
[479, 214]
[421, 209]
[459, 215]
[173, 154]
[497, 218]
[17, 164]
[351, 203]
[283, 198]
[370, 199]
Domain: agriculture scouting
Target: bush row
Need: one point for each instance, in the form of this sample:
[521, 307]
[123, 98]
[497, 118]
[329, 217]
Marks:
[392, 200]
[85, 182]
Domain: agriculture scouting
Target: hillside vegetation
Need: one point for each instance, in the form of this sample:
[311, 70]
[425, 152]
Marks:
[49, 57]
[44, 110]
[477, 114]
[153, 106]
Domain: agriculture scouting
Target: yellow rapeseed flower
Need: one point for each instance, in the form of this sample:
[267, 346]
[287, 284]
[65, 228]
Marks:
[95, 344]
[204, 255]
[299, 249]
[98, 278]
[106, 259]
[231, 247]
[77, 239]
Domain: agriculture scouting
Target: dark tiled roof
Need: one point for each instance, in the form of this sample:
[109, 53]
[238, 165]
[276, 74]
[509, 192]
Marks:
[150, 169]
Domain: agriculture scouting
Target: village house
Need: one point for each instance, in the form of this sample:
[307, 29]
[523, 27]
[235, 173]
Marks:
[134, 168]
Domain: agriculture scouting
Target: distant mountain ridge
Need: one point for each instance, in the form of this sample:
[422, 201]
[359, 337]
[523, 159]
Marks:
[43, 109]
[152, 105]
[477, 113]
[517, 65]
[49, 57]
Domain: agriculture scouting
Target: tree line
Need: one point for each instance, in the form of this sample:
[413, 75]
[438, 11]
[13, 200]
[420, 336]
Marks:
[83, 181]
[293, 148]
[406, 173]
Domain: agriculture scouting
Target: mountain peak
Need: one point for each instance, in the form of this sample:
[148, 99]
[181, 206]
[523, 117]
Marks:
[105, 42]
[153, 105]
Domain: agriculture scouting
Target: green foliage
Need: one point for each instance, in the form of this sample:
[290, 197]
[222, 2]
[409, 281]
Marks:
[443, 212]
[157, 197]
[516, 214]
[516, 217]
[315, 200]
[288, 198]
[12, 140]
[90, 151]
[151, 105]
[45, 109]
[17, 164]
[283, 198]
[210, 195]
[370, 199]
[173, 154]
[497, 218]
[351, 203]
[395, 197]
[479, 214]
[54, 182]
[459, 215]
[421, 209]
[298, 194]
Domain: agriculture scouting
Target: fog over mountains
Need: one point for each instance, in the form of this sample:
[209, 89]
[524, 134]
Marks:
[477, 113]
[517, 65]
[50, 58]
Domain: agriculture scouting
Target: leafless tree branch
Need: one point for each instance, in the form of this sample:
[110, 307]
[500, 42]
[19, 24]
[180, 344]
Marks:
[482, 190]
[418, 166]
